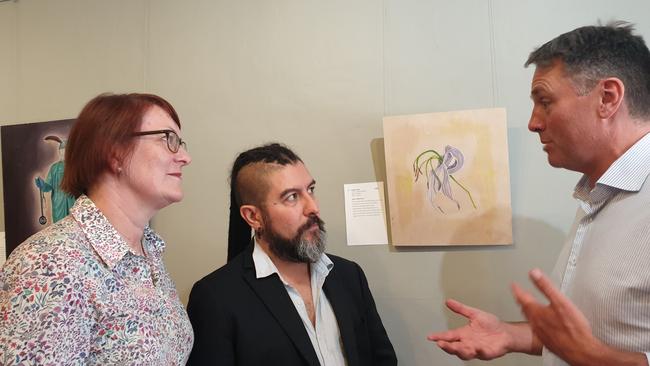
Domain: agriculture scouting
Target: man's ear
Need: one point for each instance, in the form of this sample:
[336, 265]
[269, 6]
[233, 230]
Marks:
[252, 215]
[612, 94]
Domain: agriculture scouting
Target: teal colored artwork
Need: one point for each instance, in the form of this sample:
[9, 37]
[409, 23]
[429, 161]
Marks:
[61, 201]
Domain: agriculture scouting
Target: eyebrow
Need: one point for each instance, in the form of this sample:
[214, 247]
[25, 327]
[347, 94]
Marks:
[534, 92]
[539, 89]
[292, 190]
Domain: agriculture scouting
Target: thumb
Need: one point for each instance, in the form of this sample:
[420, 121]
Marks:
[461, 309]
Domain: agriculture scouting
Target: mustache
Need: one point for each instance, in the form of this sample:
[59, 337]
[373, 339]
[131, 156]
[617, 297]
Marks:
[313, 219]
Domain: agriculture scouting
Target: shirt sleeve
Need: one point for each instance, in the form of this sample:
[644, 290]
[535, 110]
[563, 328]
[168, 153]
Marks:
[42, 311]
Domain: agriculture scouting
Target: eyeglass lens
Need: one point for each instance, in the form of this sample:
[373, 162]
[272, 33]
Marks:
[174, 142]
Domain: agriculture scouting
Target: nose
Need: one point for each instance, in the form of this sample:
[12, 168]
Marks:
[311, 206]
[183, 157]
[535, 123]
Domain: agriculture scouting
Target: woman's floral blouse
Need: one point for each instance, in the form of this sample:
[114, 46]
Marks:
[75, 294]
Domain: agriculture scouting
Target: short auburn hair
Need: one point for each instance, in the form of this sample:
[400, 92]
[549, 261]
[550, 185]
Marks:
[104, 130]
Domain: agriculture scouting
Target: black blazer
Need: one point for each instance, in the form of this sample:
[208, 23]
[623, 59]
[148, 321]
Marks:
[241, 320]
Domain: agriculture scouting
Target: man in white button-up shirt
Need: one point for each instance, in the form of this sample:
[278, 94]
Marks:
[591, 95]
[281, 300]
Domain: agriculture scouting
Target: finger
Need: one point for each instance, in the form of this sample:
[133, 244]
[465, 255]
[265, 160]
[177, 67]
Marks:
[446, 346]
[522, 296]
[457, 349]
[460, 308]
[449, 336]
[544, 284]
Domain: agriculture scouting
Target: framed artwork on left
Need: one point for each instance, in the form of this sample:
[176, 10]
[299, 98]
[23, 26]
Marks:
[32, 169]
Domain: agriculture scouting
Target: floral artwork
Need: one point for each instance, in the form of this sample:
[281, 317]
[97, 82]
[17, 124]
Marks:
[459, 195]
[438, 177]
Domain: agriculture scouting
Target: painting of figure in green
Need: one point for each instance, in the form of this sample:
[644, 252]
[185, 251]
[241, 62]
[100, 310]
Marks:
[448, 178]
[61, 202]
[33, 159]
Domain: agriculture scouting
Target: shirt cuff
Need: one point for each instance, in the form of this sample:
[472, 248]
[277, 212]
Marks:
[647, 356]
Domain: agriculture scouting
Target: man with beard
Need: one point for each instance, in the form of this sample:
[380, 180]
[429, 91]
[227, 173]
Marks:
[280, 300]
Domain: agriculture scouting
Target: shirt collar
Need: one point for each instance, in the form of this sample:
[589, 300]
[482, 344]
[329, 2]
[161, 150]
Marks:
[627, 173]
[151, 242]
[265, 267]
[105, 240]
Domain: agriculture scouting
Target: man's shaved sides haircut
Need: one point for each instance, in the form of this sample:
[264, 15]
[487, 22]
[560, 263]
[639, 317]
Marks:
[252, 183]
[249, 185]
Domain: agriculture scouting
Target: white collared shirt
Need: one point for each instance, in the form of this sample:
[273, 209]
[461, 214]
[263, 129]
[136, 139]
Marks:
[603, 267]
[325, 337]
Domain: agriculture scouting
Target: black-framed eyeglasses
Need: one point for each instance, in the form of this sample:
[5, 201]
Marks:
[173, 141]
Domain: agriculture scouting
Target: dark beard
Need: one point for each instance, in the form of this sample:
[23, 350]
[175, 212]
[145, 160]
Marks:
[297, 249]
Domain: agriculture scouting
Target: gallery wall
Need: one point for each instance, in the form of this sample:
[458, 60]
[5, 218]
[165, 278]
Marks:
[319, 76]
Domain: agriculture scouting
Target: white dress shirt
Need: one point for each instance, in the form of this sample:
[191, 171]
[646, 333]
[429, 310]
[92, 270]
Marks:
[325, 336]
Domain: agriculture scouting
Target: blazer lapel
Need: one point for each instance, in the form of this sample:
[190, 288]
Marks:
[275, 297]
[340, 302]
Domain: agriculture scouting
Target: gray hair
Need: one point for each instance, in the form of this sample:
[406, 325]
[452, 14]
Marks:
[593, 53]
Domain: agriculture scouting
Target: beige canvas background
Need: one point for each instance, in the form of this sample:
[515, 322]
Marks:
[320, 76]
[481, 136]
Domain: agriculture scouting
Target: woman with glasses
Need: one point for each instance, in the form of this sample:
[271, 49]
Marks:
[92, 288]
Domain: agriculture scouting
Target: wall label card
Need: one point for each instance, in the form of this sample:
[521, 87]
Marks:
[365, 213]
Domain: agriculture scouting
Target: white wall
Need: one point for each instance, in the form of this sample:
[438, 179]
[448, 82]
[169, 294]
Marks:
[319, 76]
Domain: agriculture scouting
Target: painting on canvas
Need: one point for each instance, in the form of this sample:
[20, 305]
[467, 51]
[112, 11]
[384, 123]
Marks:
[32, 169]
[448, 179]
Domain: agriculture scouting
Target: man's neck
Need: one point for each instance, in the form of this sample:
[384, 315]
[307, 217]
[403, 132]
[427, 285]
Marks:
[296, 273]
[620, 140]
